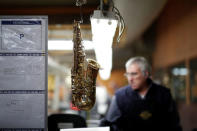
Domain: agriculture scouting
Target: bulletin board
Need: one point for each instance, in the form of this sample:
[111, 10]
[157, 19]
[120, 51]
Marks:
[23, 73]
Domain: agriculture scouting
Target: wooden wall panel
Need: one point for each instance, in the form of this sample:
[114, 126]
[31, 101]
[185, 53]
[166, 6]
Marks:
[176, 38]
[116, 81]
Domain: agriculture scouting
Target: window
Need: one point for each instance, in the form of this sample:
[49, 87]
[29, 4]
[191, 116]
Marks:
[178, 81]
[193, 80]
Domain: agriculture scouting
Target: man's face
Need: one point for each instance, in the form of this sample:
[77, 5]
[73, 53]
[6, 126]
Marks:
[135, 77]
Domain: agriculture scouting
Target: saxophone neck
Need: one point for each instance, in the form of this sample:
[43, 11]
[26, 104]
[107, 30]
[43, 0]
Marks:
[77, 31]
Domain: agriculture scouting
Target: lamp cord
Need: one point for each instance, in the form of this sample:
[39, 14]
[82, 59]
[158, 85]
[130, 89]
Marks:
[120, 21]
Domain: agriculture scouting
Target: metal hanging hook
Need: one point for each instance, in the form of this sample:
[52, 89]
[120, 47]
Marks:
[81, 2]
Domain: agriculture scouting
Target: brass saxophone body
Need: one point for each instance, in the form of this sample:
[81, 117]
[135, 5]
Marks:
[83, 74]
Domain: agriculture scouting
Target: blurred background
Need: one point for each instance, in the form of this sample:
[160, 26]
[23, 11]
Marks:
[163, 31]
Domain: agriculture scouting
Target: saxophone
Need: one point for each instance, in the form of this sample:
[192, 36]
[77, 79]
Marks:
[83, 74]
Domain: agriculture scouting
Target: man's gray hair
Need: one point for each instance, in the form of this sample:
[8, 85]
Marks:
[142, 62]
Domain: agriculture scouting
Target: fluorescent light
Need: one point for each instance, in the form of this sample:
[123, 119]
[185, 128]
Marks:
[103, 31]
[104, 58]
[180, 71]
[67, 45]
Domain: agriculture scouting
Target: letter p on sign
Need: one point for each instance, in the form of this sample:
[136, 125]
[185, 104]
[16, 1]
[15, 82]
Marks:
[21, 35]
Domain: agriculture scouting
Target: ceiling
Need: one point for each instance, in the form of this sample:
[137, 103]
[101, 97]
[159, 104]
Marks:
[44, 2]
[138, 16]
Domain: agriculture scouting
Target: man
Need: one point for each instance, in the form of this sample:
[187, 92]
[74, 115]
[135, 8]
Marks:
[142, 105]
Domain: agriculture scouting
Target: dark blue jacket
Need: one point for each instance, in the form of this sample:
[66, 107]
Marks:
[155, 112]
